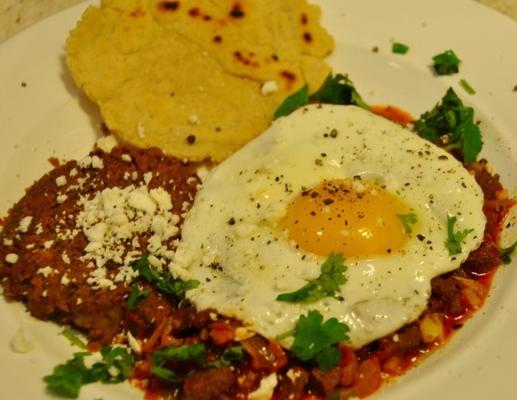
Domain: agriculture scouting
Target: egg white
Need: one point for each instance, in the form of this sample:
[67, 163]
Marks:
[232, 244]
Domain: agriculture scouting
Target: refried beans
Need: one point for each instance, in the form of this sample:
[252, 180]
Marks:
[42, 248]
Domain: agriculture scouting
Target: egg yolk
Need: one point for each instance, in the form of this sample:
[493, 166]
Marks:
[352, 217]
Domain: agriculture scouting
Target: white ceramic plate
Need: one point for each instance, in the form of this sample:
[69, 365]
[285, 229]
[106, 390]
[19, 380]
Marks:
[49, 117]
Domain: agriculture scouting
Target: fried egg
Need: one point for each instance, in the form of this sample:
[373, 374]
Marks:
[328, 179]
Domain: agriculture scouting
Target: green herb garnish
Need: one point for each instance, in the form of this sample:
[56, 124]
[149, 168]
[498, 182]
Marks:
[452, 119]
[192, 353]
[317, 340]
[136, 296]
[454, 239]
[292, 102]
[337, 89]
[326, 285]
[67, 379]
[231, 356]
[505, 253]
[73, 338]
[408, 220]
[163, 282]
[446, 63]
[466, 86]
[399, 48]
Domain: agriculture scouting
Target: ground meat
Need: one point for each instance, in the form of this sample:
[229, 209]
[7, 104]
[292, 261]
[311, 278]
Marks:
[49, 274]
[211, 384]
[292, 385]
[325, 381]
[446, 295]
[483, 260]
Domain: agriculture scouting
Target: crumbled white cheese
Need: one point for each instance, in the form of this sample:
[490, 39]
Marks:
[134, 343]
[293, 374]
[65, 280]
[134, 175]
[265, 389]
[107, 143]
[269, 87]
[395, 338]
[45, 271]
[48, 244]
[39, 229]
[61, 180]
[30, 246]
[23, 225]
[147, 177]
[65, 258]
[61, 198]
[97, 162]
[112, 222]
[73, 172]
[85, 162]
[11, 258]
[8, 242]
[126, 157]
[202, 172]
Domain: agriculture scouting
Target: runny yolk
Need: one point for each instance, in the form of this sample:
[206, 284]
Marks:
[351, 217]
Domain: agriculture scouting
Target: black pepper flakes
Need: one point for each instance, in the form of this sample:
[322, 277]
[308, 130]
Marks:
[23, 84]
[231, 221]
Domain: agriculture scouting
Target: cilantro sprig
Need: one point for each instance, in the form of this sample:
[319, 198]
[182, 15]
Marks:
[317, 340]
[72, 337]
[326, 285]
[454, 239]
[191, 354]
[337, 89]
[408, 220]
[136, 296]
[67, 379]
[446, 63]
[456, 121]
[163, 282]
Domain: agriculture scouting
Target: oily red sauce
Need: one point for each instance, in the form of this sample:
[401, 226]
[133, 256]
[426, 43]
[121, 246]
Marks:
[393, 113]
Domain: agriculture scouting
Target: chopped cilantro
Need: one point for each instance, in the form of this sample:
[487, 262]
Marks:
[231, 356]
[337, 89]
[292, 102]
[165, 373]
[317, 340]
[466, 86]
[399, 48]
[326, 285]
[163, 282]
[190, 352]
[73, 338]
[67, 379]
[408, 220]
[505, 253]
[136, 296]
[454, 239]
[446, 63]
[454, 120]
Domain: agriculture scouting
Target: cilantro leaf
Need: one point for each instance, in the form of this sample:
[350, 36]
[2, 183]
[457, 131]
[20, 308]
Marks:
[318, 340]
[454, 239]
[399, 48]
[67, 379]
[505, 253]
[231, 356]
[163, 282]
[292, 102]
[408, 220]
[326, 285]
[446, 63]
[73, 338]
[456, 121]
[188, 353]
[337, 89]
[165, 373]
[136, 296]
